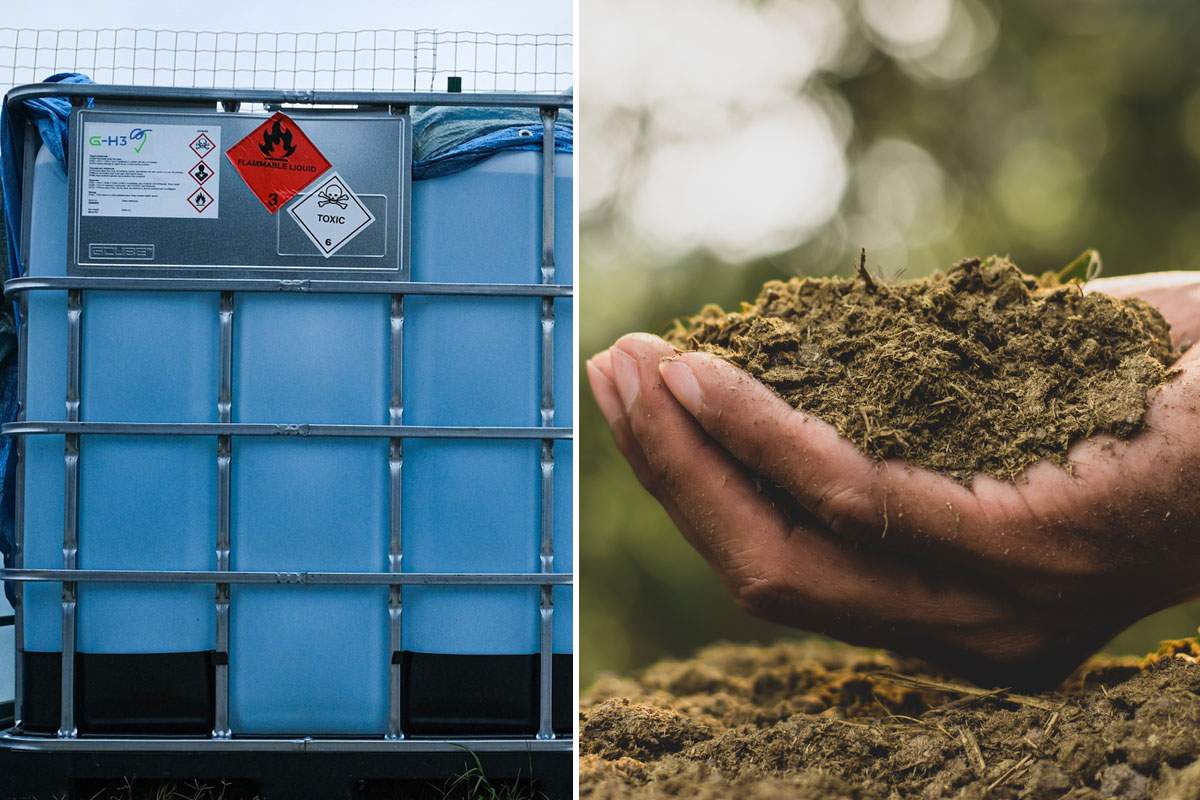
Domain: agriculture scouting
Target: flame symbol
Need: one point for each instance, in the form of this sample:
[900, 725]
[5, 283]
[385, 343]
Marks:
[277, 136]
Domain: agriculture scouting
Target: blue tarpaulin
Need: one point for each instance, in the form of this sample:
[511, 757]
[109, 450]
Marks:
[450, 139]
[49, 115]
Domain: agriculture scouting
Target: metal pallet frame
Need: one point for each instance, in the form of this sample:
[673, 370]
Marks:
[221, 740]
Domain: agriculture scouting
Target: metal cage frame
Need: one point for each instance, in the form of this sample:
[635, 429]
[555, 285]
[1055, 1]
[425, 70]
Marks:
[221, 739]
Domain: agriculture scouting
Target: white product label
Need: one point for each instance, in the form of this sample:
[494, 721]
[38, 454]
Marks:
[330, 214]
[156, 171]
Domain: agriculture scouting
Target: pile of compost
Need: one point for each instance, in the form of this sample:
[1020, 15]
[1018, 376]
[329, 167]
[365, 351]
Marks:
[980, 369]
[811, 720]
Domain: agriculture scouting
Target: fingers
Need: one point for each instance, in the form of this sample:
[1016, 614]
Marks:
[777, 566]
[912, 509]
[600, 377]
[1136, 285]
[846, 489]
[718, 508]
[1176, 295]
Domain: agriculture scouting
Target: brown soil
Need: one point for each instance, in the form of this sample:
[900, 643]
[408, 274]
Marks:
[810, 720]
[979, 369]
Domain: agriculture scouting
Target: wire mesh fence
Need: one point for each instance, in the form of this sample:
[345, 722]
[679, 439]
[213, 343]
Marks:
[388, 60]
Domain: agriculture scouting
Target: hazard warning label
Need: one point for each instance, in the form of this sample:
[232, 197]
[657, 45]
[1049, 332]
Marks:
[200, 172]
[202, 145]
[277, 160]
[200, 200]
[150, 170]
[331, 215]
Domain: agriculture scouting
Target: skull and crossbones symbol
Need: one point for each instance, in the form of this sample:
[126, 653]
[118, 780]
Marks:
[332, 195]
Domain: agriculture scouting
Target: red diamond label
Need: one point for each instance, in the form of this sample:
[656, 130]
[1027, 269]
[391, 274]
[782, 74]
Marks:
[201, 172]
[277, 160]
[202, 145]
[200, 200]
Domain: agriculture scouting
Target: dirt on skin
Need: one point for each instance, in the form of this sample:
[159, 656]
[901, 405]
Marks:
[981, 369]
[813, 720]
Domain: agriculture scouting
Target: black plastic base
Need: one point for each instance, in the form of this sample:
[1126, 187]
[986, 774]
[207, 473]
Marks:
[142, 693]
[460, 695]
[275, 776]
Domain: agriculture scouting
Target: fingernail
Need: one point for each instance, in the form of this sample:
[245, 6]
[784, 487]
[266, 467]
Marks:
[607, 399]
[625, 371]
[603, 362]
[680, 379]
[644, 338]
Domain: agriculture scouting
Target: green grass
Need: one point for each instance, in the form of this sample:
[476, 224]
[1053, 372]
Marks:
[167, 790]
[474, 784]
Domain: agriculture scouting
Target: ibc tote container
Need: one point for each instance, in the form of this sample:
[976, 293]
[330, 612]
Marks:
[269, 493]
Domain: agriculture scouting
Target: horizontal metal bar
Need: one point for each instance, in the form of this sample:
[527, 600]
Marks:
[314, 286]
[102, 91]
[30, 575]
[8, 620]
[35, 427]
[14, 741]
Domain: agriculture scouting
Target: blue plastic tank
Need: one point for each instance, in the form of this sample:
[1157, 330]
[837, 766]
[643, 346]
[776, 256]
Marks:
[146, 502]
[474, 505]
[307, 659]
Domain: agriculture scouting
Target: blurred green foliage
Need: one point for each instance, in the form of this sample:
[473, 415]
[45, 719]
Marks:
[1079, 126]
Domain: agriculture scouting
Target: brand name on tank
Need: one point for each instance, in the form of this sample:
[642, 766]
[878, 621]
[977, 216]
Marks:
[137, 137]
[122, 252]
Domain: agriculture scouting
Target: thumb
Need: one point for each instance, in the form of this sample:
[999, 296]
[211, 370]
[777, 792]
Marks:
[844, 488]
[804, 455]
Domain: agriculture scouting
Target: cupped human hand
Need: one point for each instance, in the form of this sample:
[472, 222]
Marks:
[1007, 583]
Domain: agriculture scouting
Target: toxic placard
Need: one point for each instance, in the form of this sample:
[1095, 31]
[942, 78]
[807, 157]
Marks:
[331, 214]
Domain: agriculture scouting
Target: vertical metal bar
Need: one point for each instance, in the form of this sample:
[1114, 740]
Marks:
[30, 158]
[19, 516]
[546, 653]
[66, 728]
[405, 190]
[224, 464]
[416, 46]
[395, 539]
[396, 445]
[549, 115]
[31, 139]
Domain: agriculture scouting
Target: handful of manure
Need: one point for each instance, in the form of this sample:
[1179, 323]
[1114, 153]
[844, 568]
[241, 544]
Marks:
[980, 369]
